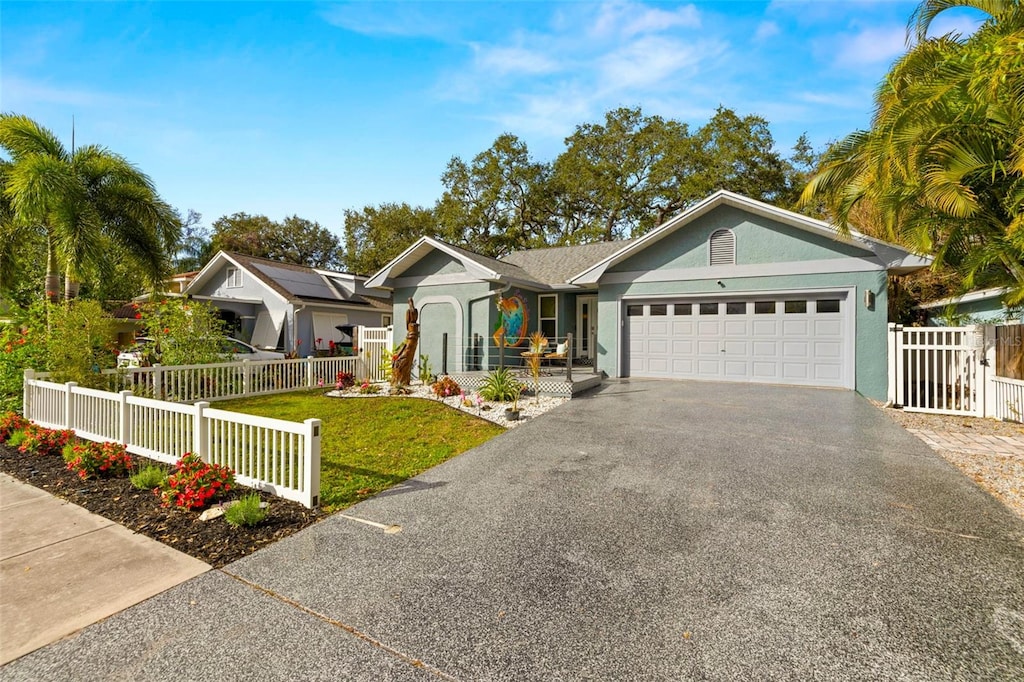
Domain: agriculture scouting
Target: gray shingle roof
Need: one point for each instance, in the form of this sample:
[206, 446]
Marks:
[556, 264]
[503, 268]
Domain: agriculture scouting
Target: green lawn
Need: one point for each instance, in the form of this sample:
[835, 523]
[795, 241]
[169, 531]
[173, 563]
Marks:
[370, 444]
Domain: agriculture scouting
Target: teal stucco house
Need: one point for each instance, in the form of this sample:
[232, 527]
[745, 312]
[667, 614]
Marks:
[731, 289]
[984, 306]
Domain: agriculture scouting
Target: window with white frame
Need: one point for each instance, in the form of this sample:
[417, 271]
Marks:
[547, 320]
[234, 277]
[722, 248]
[385, 320]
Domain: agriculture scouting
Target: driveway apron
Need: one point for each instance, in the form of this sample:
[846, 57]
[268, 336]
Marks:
[648, 530]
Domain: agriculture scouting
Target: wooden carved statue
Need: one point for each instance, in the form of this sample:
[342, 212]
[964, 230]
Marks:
[405, 355]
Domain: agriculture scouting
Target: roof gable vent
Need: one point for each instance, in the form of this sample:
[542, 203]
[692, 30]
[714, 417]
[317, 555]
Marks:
[722, 247]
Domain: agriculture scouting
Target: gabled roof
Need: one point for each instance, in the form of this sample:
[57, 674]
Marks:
[895, 258]
[556, 264]
[480, 267]
[294, 283]
[979, 295]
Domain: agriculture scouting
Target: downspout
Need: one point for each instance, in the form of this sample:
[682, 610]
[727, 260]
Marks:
[295, 329]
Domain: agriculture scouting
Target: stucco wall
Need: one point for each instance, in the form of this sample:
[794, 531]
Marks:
[758, 241]
[464, 311]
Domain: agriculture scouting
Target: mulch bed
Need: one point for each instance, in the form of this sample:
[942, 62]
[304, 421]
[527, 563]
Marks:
[216, 542]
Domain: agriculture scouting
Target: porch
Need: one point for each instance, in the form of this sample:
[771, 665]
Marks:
[554, 381]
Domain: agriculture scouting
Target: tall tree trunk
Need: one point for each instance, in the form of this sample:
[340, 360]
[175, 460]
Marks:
[51, 284]
[71, 288]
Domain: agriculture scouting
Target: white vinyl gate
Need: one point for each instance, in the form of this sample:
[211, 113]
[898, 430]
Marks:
[937, 369]
[375, 344]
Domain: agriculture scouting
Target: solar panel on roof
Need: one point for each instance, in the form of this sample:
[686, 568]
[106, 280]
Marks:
[298, 282]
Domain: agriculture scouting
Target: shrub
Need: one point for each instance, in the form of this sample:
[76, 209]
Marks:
[193, 484]
[9, 423]
[16, 439]
[41, 441]
[445, 387]
[246, 511]
[98, 459]
[369, 389]
[501, 385]
[149, 477]
[185, 331]
[344, 380]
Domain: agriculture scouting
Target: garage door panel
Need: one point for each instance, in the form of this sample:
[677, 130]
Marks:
[793, 370]
[801, 328]
[796, 349]
[828, 328]
[802, 347]
[828, 349]
[736, 328]
[683, 346]
[683, 366]
[708, 347]
[657, 346]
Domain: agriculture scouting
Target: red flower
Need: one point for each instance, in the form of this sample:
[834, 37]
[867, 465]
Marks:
[138, 316]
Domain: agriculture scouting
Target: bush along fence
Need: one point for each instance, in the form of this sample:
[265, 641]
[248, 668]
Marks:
[273, 455]
[976, 370]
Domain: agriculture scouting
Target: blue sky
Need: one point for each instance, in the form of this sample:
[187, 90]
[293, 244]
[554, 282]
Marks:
[305, 108]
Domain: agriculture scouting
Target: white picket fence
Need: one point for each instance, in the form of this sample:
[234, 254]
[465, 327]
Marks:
[277, 456]
[951, 370]
[375, 344]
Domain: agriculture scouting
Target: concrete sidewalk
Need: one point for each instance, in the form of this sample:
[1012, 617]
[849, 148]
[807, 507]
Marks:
[63, 568]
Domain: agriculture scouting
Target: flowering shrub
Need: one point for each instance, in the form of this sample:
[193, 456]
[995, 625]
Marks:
[9, 423]
[344, 380]
[98, 459]
[368, 388]
[194, 483]
[41, 441]
[445, 387]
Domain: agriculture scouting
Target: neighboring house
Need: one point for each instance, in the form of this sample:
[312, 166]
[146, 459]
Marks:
[984, 306]
[732, 289]
[287, 307]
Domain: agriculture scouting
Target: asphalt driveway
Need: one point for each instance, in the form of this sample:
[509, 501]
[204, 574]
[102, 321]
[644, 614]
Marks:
[650, 530]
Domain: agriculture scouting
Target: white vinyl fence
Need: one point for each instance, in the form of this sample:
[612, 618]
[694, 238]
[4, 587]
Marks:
[935, 369]
[953, 370]
[375, 345]
[277, 456]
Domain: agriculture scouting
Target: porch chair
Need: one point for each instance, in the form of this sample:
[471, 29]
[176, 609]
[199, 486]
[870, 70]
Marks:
[560, 353]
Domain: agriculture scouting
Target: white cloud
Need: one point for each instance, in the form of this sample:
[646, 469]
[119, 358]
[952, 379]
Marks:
[871, 46]
[512, 60]
[766, 30]
[628, 19]
[649, 61]
[387, 19]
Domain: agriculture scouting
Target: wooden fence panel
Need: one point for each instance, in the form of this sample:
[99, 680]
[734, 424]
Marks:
[1010, 351]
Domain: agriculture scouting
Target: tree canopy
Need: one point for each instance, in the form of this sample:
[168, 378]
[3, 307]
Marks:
[292, 240]
[942, 166]
[76, 208]
[615, 179]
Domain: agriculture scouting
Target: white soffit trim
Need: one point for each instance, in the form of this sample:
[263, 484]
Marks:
[811, 267]
[979, 295]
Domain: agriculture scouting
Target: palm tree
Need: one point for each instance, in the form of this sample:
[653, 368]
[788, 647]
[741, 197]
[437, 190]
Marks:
[85, 203]
[943, 164]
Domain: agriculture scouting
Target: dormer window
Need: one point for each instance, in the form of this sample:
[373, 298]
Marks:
[722, 248]
[234, 277]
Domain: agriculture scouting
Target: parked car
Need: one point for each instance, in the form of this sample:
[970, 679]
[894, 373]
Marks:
[142, 352]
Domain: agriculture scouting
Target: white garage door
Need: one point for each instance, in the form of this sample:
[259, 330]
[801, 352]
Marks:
[795, 339]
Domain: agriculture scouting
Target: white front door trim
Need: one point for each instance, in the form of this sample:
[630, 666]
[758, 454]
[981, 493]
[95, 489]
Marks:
[588, 334]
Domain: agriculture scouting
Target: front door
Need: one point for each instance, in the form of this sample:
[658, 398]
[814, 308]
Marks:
[586, 327]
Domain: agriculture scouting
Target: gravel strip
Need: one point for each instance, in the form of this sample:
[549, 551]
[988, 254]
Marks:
[529, 406]
[999, 473]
